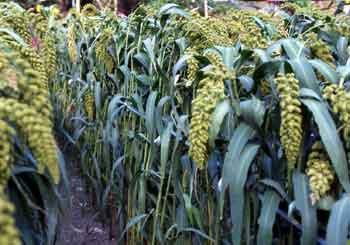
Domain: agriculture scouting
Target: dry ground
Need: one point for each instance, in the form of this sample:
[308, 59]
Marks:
[81, 226]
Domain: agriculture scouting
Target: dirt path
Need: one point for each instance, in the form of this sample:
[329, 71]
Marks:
[80, 225]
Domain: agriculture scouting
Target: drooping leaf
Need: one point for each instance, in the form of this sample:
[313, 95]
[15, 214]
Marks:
[344, 72]
[326, 70]
[180, 64]
[293, 48]
[228, 54]
[276, 187]
[50, 201]
[150, 44]
[158, 114]
[143, 59]
[150, 113]
[238, 141]
[198, 232]
[270, 203]
[267, 69]
[339, 221]
[181, 44]
[342, 50]
[145, 79]
[253, 111]
[164, 147]
[236, 189]
[304, 73]
[217, 118]
[307, 211]
[172, 8]
[247, 82]
[329, 136]
[133, 221]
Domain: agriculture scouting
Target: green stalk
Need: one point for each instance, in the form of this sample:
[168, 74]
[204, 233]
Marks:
[165, 198]
[209, 206]
[162, 177]
[219, 216]
[142, 187]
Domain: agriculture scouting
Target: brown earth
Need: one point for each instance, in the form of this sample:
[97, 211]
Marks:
[80, 224]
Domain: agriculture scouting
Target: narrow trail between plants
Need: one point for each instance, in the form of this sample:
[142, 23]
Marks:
[80, 225]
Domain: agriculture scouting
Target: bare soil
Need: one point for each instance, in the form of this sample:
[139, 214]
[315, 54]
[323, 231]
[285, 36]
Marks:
[80, 224]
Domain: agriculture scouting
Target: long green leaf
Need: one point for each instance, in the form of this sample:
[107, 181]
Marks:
[50, 201]
[253, 111]
[262, 54]
[266, 69]
[158, 114]
[131, 223]
[305, 73]
[228, 55]
[307, 211]
[239, 139]
[164, 147]
[149, 44]
[270, 203]
[150, 114]
[326, 70]
[172, 8]
[329, 136]
[337, 228]
[293, 48]
[198, 232]
[180, 64]
[236, 187]
[220, 112]
[342, 50]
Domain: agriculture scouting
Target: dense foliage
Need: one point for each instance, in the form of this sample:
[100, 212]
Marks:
[189, 129]
[28, 146]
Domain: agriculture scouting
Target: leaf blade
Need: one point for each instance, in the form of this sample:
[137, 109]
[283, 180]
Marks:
[270, 203]
[307, 211]
[337, 227]
[330, 137]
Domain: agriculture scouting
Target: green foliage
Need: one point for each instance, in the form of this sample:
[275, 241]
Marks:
[154, 113]
[176, 130]
[29, 155]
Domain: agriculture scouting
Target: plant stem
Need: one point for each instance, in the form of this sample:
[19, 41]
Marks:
[116, 6]
[206, 8]
[77, 2]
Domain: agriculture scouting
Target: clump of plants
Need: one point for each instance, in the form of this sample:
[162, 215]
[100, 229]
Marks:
[210, 129]
[189, 129]
[29, 154]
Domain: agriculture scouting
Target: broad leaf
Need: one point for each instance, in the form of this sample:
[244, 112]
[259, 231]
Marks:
[247, 82]
[228, 55]
[270, 203]
[238, 141]
[342, 50]
[172, 8]
[180, 64]
[304, 73]
[339, 221]
[150, 114]
[307, 211]
[266, 69]
[253, 111]
[293, 48]
[236, 189]
[217, 118]
[329, 136]
[326, 70]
